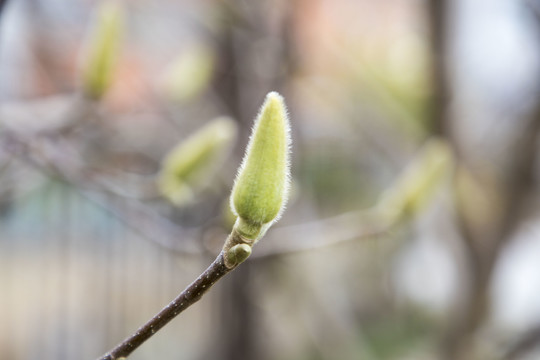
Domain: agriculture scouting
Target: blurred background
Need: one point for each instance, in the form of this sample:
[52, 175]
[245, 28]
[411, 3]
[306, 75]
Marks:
[90, 248]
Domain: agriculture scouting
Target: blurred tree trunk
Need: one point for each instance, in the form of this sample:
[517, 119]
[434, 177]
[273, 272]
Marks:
[480, 249]
[238, 331]
[244, 27]
[438, 23]
[2, 4]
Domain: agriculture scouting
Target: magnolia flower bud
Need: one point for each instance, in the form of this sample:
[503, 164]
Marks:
[103, 51]
[260, 191]
[190, 166]
[413, 189]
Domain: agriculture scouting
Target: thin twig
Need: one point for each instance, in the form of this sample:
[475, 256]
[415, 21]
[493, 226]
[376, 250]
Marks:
[188, 297]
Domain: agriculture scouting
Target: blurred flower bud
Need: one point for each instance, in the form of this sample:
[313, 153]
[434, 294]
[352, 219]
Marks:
[416, 185]
[190, 74]
[190, 166]
[261, 188]
[102, 54]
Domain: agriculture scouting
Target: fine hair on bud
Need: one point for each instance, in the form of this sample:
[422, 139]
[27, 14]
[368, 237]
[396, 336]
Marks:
[262, 184]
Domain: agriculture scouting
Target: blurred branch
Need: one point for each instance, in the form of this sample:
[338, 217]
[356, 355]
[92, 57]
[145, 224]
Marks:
[150, 225]
[51, 116]
[56, 159]
[357, 225]
[55, 156]
[526, 343]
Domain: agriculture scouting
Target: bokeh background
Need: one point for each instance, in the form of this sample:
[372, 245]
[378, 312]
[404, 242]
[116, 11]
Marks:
[89, 251]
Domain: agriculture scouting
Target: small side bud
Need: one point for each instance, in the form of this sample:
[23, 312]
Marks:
[103, 51]
[261, 188]
[238, 254]
[414, 188]
[189, 166]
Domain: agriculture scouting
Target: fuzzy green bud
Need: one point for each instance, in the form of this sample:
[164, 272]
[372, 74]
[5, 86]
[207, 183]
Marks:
[189, 166]
[103, 51]
[261, 188]
[417, 184]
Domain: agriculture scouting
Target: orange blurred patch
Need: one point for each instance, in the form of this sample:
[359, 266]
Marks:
[131, 87]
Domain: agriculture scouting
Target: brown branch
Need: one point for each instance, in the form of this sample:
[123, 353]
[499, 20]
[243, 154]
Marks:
[188, 297]
[222, 265]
